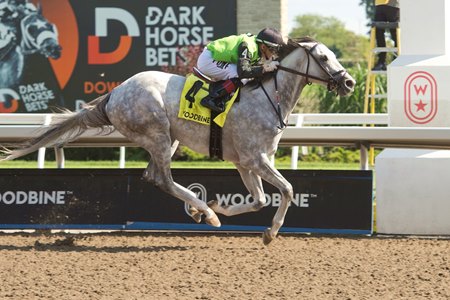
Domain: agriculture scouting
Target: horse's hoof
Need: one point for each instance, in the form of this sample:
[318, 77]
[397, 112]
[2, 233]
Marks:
[267, 238]
[197, 217]
[213, 221]
[195, 214]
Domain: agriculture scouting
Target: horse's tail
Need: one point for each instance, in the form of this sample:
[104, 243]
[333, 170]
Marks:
[67, 126]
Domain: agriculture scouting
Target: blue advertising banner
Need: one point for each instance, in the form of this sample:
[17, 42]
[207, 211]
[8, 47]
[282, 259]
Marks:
[324, 201]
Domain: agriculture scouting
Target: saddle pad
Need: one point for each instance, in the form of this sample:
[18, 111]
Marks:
[193, 110]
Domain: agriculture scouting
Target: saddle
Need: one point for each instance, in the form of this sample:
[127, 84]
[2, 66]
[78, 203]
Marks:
[194, 90]
[197, 87]
[202, 76]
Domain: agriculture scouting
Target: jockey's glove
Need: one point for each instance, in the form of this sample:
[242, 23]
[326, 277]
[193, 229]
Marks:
[270, 66]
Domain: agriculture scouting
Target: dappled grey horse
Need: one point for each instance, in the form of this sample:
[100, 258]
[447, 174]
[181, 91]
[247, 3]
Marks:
[145, 108]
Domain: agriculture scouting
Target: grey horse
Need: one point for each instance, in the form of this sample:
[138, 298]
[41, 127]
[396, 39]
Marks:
[144, 108]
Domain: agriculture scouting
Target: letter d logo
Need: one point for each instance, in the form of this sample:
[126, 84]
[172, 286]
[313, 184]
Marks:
[9, 101]
[102, 15]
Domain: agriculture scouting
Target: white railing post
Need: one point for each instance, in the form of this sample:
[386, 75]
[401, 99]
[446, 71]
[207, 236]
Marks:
[122, 158]
[294, 151]
[59, 157]
[364, 157]
[41, 152]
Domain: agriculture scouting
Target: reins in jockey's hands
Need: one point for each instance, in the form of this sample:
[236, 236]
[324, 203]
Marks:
[270, 66]
[247, 69]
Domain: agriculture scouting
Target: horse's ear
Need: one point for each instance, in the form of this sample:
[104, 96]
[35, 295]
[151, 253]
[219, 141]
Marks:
[307, 40]
[39, 7]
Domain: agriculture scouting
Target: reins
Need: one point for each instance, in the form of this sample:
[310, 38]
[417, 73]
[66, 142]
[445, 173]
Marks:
[332, 81]
[277, 109]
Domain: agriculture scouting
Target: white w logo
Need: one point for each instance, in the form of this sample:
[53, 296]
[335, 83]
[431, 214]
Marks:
[199, 191]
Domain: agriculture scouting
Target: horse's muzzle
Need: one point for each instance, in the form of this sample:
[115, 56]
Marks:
[344, 84]
[51, 49]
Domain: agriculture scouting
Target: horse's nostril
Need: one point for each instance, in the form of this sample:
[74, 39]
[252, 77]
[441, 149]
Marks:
[350, 84]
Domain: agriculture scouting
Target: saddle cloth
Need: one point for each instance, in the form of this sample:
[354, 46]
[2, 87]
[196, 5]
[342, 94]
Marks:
[194, 90]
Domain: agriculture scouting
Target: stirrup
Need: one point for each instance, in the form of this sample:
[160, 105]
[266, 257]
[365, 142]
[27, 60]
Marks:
[210, 102]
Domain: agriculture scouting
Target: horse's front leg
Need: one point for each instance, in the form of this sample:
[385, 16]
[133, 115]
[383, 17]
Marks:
[254, 185]
[263, 168]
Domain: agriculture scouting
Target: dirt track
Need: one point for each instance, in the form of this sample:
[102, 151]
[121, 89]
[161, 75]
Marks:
[169, 266]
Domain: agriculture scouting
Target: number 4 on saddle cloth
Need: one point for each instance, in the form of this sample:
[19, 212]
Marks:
[195, 89]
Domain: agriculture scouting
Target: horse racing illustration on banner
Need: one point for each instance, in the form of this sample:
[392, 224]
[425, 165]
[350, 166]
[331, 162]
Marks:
[27, 41]
[62, 54]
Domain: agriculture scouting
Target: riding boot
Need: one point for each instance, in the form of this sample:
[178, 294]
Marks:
[219, 93]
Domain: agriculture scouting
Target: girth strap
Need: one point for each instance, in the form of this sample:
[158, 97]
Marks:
[215, 138]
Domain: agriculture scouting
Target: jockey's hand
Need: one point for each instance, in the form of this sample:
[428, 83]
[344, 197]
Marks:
[270, 66]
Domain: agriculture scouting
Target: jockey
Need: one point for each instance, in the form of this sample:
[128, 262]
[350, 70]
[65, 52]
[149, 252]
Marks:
[6, 32]
[11, 10]
[233, 60]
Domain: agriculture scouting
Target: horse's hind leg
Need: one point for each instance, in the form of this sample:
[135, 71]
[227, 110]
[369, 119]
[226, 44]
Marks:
[158, 172]
[194, 213]
[142, 119]
[254, 185]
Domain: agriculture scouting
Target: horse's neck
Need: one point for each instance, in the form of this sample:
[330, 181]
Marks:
[291, 85]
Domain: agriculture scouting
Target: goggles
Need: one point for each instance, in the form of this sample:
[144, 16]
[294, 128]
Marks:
[272, 46]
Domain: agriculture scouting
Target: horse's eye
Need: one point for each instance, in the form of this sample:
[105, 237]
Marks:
[323, 58]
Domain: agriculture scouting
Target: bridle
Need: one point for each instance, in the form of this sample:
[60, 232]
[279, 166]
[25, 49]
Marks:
[333, 82]
[31, 44]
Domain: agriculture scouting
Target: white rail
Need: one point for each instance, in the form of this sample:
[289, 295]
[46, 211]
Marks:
[19, 127]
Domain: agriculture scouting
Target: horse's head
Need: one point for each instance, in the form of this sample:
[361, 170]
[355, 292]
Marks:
[321, 66]
[39, 35]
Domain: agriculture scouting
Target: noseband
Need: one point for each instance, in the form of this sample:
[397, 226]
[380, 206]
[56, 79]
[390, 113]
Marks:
[32, 43]
[334, 80]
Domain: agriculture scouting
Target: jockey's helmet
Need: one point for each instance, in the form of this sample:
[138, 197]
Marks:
[272, 38]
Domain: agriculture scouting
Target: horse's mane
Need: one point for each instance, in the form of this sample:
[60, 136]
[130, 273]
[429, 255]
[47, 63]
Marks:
[291, 45]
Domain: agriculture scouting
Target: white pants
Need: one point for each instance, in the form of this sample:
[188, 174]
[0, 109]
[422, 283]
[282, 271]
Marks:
[217, 70]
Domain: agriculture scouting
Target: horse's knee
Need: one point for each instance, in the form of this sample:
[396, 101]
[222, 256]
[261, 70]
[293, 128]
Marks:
[258, 205]
[287, 192]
